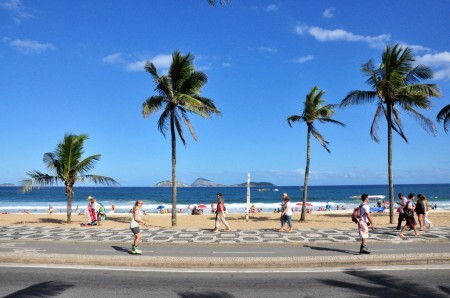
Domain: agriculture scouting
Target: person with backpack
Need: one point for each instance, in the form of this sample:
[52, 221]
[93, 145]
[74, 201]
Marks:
[364, 219]
[409, 216]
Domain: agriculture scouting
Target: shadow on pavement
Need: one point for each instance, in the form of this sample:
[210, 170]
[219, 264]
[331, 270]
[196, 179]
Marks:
[121, 249]
[375, 284]
[351, 252]
[44, 289]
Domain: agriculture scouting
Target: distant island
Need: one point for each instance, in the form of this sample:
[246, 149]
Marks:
[202, 182]
[7, 185]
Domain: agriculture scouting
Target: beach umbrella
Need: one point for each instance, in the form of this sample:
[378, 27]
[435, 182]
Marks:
[307, 204]
[201, 206]
[161, 207]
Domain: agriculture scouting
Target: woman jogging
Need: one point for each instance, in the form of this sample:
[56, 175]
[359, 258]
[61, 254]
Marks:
[134, 226]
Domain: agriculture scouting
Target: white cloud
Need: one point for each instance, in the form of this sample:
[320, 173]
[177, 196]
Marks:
[267, 50]
[226, 64]
[328, 13]
[272, 8]
[324, 35]
[160, 61]
[415, 48]
[304, 59]
[439, 62]
[30, 46]
[17, 10]
[115, 58]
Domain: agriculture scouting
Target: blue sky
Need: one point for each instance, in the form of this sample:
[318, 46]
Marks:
[77, 67]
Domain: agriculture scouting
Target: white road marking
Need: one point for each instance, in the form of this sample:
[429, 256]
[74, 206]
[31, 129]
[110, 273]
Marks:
[110, 250]
[242, 252]
[181, 270]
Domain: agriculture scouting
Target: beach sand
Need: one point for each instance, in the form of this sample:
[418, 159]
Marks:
[318, 220]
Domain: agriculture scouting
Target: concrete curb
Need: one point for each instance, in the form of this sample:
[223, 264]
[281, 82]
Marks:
[222, 263]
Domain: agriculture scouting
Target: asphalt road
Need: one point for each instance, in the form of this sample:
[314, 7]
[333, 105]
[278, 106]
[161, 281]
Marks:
[81, 248]
[87, 282]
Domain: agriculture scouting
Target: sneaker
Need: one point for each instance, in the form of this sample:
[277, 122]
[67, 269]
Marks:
[398, 229]
[227, 229]
[364, 250]
[215, 231]
[136, 251]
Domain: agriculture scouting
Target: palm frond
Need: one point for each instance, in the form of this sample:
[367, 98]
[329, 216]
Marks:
[163, 119]
[40, 179]
[188, 124]
[357, 97]
[426, 123]
[222, 2]
[87, 164]
[420, 72]
[329, 120]
[396, 123]
[294, 118]
[151, 69]
[319, 138]
[179, 128]
[375, 123]
[152, 105]
[444, 115]
[97, 179]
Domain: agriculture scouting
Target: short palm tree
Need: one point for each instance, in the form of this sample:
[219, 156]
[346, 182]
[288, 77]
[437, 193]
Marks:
[444, 115]
[67, 165]
[395, 84]
[312, 111]
[178, 93]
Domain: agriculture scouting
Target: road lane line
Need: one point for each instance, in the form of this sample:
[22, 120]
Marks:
[242, 252]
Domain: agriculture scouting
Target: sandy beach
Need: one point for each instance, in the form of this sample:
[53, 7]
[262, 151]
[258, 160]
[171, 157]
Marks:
[319, 220]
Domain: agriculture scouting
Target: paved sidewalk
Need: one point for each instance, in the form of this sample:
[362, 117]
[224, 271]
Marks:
[203, 236]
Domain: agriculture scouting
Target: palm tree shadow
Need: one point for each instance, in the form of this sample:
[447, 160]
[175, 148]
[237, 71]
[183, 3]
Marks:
[383, 285]
[207, 294]
[351, 252]
[44, 289]
[121, 219]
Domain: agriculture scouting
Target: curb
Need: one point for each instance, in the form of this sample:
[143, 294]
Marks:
[221, 263]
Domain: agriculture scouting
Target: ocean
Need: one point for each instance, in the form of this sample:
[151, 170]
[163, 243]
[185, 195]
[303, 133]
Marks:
[268, 199]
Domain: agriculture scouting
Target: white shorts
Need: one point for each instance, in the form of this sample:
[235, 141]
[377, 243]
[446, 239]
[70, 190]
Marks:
[363, 230]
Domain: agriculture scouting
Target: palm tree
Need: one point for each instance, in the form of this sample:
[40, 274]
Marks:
[313, 110]
[395, 84]
[444, 115]
[67, 165]
[178, 93]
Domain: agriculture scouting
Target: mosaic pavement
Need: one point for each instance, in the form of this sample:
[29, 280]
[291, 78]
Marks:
[203, 236]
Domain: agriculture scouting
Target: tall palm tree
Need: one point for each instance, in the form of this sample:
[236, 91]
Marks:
[395, 84]
[178, 93]
[444, 115]
[67, 165]
[312, 111]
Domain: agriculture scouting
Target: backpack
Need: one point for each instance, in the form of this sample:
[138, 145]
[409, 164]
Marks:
[356, 214]
[408, 213]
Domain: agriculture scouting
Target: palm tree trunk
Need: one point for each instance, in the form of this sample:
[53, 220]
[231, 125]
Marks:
[391, 182]
[305, 184]
[69, 194]
[174, 169]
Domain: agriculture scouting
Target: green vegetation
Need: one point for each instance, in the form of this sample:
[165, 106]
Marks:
[444, 115]
[395, 84]
[178, 94]
[313, 110]
[68, 166]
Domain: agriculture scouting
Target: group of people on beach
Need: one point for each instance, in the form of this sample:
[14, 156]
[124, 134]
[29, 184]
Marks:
[407, 208]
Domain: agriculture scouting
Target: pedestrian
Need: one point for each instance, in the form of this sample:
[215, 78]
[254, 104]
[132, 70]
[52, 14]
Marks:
[420, 211]
[427, 223]
[286, 213]
[401, 215]
[92, 210]
[134, 226]
[220, 214]
[409, 215]
[363, 223]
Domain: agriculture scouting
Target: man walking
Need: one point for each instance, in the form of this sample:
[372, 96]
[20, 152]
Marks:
[363, 223]
[401, 213]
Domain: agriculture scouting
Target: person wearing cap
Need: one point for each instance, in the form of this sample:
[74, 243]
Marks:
[92, 209]
[401, 214]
